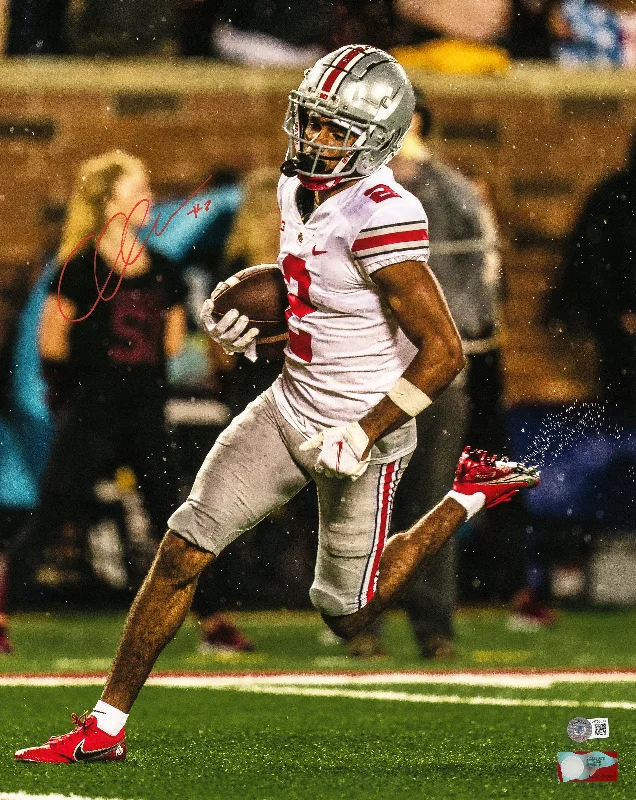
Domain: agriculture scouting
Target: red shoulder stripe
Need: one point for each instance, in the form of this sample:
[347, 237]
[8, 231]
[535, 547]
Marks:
[385, 239]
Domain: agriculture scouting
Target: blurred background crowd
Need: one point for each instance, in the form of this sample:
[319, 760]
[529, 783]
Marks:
[530, 189]
[287, 32]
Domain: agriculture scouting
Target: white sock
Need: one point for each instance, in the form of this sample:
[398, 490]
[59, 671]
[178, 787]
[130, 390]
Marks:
[109, 719]
[471, 502]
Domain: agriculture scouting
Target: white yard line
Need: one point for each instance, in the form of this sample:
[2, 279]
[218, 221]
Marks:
[511, 680]
[313, 686]
[406, 697]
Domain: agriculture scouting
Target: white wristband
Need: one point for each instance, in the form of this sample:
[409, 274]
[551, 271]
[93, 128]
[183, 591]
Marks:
[409, 398]
[357, 438]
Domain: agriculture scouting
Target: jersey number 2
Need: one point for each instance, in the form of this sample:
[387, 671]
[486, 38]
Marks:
[381, 192]
[299, 305]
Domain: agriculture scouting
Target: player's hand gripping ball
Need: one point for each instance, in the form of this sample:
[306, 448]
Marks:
[256, 296]
[229, 331]
[341, 451]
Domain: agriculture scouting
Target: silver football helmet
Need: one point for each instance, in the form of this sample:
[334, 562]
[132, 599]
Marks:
[365, 91]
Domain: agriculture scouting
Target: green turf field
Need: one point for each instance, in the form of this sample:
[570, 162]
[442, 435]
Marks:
[379, 739]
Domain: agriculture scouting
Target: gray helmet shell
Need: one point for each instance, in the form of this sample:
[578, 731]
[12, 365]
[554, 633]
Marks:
[364, 90]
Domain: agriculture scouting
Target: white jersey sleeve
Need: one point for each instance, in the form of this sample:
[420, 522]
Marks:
[396, 230]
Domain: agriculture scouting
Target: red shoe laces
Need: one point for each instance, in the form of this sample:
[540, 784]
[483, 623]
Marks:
[81, 722]
[486, 459]
[480, 457]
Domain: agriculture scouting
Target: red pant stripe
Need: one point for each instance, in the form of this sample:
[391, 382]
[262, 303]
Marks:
[385, 502]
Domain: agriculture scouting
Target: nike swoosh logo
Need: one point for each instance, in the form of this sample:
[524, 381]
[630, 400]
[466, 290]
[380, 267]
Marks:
[80, 755]
[315, 252]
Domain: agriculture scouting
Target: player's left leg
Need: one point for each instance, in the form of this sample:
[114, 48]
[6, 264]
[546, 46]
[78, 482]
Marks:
[402, 556]
[480, 481]
[246, 475]
[354, 525]
[156, 615]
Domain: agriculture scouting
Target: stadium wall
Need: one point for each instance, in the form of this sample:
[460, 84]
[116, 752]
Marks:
[538, 137]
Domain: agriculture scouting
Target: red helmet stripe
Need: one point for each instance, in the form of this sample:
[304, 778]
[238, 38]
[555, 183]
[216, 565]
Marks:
[337, 69]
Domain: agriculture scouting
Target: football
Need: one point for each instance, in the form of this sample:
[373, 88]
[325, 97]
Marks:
[260, 294]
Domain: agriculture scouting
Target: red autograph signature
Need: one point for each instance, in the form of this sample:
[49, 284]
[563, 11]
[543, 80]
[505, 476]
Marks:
[127, 259]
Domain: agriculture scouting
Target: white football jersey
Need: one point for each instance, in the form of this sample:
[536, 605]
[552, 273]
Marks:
[345, 349]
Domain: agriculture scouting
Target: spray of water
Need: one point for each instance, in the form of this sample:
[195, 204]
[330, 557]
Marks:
[562, 429]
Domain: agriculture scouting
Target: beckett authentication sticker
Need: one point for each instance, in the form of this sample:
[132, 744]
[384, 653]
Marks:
[580, 729]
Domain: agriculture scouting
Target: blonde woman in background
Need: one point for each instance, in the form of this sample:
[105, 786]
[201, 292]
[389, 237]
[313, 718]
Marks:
[106, 373]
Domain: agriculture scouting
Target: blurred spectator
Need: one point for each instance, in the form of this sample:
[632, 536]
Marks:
[105, 361]
[255, 234]
[270, 32]
[601, 33]
[463, 38]
[597, 288]
[464, 259]
[240, 228]
[476, 21]
[254, 239]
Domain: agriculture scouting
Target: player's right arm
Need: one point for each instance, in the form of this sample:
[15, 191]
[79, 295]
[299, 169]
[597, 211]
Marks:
[392, 248]
[418, 304]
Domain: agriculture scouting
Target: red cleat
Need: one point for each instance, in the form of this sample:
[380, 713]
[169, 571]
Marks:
[477, 471]
[86, 742]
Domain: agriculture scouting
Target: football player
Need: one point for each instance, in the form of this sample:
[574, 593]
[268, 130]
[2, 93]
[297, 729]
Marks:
[371, 345]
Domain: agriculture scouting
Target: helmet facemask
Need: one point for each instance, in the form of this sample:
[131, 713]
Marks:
[361, 152]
